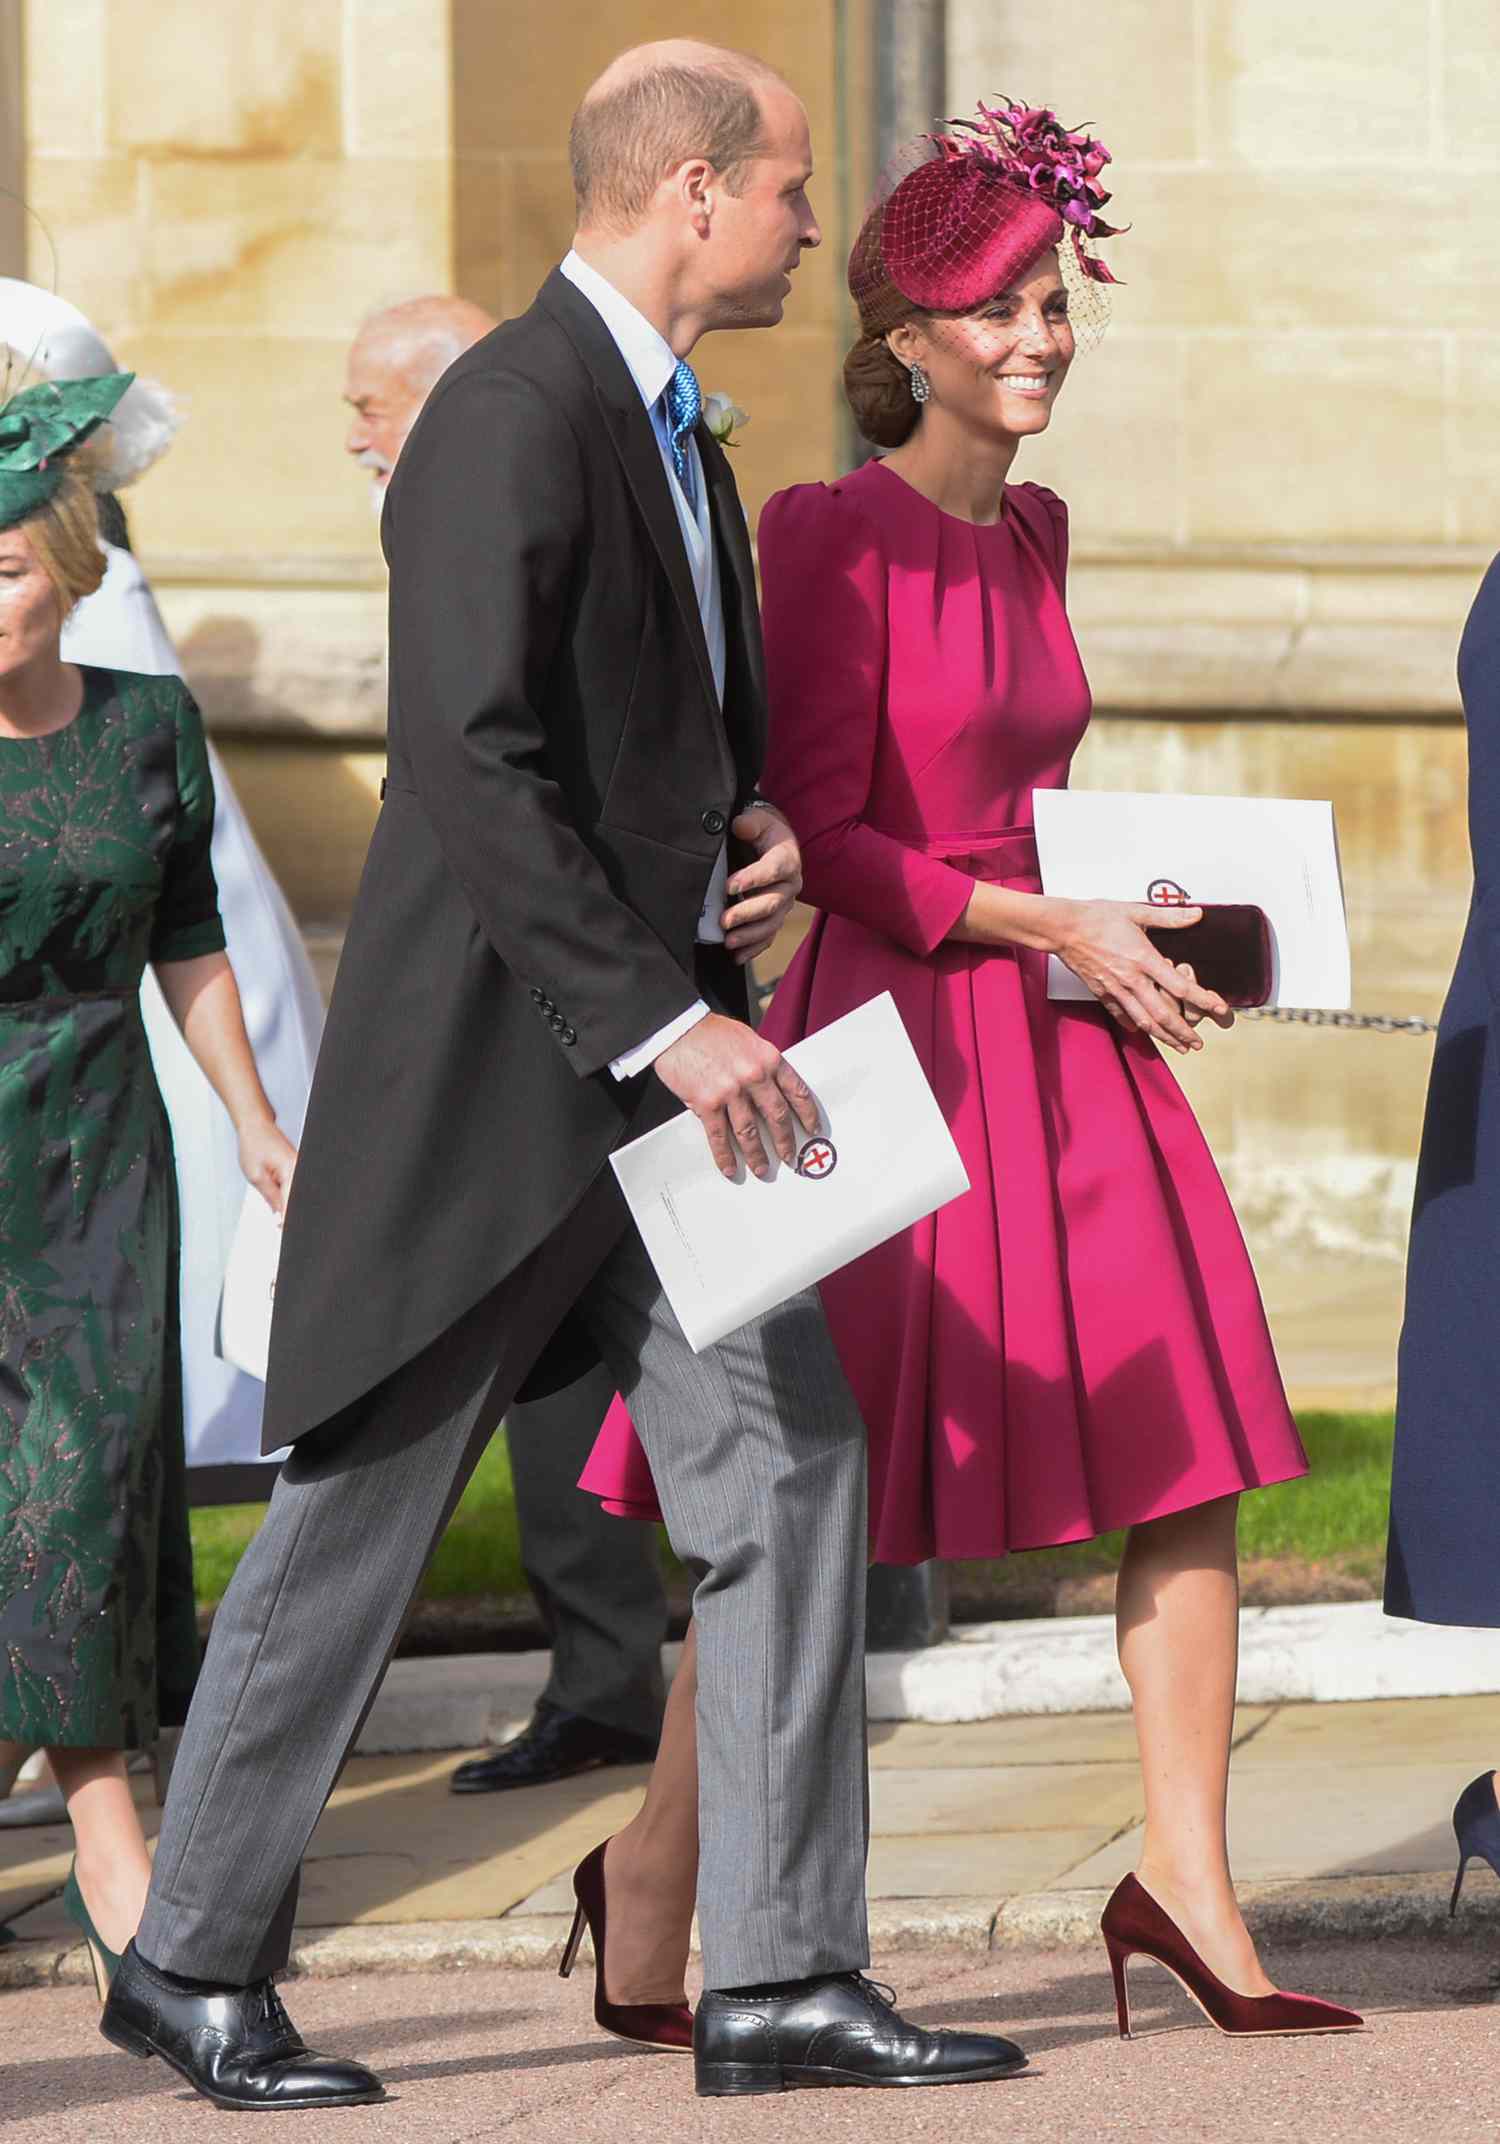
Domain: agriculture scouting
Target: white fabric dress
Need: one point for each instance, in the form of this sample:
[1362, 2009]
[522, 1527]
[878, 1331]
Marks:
[120, 628]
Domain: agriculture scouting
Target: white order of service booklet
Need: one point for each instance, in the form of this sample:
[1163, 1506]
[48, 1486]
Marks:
[726, 1251]
[244, 1336]
[1281, 853]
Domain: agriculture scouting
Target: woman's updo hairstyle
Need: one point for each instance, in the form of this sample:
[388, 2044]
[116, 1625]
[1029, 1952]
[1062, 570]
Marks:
[877, 387]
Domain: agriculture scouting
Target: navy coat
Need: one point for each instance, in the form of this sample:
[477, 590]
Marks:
[1444, 1561]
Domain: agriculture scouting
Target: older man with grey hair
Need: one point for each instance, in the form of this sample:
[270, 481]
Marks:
[596, 1580]
[396, 359]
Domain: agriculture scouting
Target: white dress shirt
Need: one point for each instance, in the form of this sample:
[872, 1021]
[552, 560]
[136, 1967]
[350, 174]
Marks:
[652, 363]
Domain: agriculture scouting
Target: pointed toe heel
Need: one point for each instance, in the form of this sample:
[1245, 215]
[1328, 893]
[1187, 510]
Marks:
[1134, 1925]
[105, 1962]
[1476, 1827]
[664, 2025]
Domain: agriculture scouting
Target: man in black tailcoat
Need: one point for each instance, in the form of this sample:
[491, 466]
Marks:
[534, 974]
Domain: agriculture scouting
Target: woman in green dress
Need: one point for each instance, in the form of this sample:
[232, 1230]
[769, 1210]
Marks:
[106, 812]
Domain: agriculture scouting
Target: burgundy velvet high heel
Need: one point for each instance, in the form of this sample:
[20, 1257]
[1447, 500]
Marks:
[1135, 1925]
[668, 2025]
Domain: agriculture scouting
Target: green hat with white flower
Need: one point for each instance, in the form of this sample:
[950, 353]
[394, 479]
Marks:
[39, 429]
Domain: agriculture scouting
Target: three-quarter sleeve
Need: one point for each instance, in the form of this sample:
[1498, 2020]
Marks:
[187, 914]
[823, 577]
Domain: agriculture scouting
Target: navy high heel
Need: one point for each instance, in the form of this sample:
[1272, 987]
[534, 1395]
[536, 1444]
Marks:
[1476, 1826]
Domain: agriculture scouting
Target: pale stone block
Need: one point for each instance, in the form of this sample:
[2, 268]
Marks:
[1471, 85]
[518, 92]
[1162, 665]
[259, 468]
[277, 661]
[1438, 596]
[991, 1864]
[1475, 420]
[91, 208]
[292, 248]
[1315, 438]
[788, 381]
[400, 91]
[1116, 592]
[1289, 84]
[1382, 669]
[1276, 250]
[1008, 1798]
[313, 809]
[262, 81]
[64, 61]
[1114, 447]
[1126, 71]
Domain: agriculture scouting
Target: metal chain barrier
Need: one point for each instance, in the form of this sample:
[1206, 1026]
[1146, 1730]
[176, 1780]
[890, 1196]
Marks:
[1367, 1023]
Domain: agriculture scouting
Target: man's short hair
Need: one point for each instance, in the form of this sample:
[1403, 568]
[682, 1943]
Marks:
[626, 138]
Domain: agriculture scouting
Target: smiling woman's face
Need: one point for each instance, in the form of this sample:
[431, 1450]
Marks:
[998, 369]
[30, 612]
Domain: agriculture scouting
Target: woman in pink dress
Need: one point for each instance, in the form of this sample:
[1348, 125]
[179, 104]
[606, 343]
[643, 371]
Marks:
[1078, 1343]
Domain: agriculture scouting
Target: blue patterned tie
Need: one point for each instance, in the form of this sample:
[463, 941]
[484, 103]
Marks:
[684, 400]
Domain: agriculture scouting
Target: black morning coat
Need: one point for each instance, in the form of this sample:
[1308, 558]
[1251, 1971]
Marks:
[561, 778]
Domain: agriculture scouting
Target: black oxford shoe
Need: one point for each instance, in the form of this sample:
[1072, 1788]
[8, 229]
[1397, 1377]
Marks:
[236, 2046]
[554, 1745]
[843, 2030]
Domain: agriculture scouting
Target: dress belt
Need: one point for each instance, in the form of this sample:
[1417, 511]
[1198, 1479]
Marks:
[1002, 853]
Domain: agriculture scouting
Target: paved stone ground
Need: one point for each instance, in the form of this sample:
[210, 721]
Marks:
[992, 1833]
[479, 2055]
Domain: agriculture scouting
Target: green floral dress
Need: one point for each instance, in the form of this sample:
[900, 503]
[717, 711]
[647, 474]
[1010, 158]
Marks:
[104, 866]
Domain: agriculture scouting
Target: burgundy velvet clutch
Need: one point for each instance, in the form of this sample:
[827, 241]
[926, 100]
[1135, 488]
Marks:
[1229, 951]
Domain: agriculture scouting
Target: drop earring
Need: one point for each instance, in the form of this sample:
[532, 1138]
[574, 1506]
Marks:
[921, 386]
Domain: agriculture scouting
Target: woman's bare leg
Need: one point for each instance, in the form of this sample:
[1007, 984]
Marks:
[1177, 1620]
[651, 1867]
[114, 1868]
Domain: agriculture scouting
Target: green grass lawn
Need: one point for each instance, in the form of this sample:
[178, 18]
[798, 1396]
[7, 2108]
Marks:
[1335, 1515]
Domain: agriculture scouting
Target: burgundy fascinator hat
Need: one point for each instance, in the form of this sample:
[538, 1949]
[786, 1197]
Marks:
[962, 213]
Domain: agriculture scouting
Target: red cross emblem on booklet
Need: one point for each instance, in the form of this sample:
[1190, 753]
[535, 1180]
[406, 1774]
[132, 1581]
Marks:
[1166, 893]
[818, 1158]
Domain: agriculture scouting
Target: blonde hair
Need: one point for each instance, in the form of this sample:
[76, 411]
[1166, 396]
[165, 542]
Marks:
[65, 537]
[65, 532]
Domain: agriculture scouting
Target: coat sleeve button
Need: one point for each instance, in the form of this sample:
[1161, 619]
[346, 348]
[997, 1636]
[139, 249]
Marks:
[569, 1036]
[714, 822]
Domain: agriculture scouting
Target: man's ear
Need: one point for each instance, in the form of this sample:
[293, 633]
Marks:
[699, 183]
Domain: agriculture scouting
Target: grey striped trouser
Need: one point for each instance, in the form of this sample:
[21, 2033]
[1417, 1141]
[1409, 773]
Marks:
[759, 1458]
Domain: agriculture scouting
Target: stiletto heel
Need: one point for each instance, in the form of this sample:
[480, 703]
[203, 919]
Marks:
[104, 1961]
[668, 2025]
[1119, 1958]
[1134, 1923]
[574, 1943]
[1476, 1826]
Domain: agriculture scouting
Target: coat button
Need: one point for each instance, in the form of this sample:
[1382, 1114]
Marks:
[536, 996]
[558, 1022]
[569, 1036]
[714, 822]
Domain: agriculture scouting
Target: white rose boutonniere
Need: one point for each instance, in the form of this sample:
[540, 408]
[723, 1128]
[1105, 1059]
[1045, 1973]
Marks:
[724, 418]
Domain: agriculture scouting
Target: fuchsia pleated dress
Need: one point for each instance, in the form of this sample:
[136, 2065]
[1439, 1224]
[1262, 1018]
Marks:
[1078, 1342]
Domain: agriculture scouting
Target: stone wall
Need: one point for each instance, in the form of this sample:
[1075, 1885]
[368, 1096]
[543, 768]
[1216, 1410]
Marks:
[230, 191]
[1284, 462]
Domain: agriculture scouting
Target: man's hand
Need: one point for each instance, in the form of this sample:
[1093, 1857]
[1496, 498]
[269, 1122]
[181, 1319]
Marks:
[732, 1080]
[763, 892]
